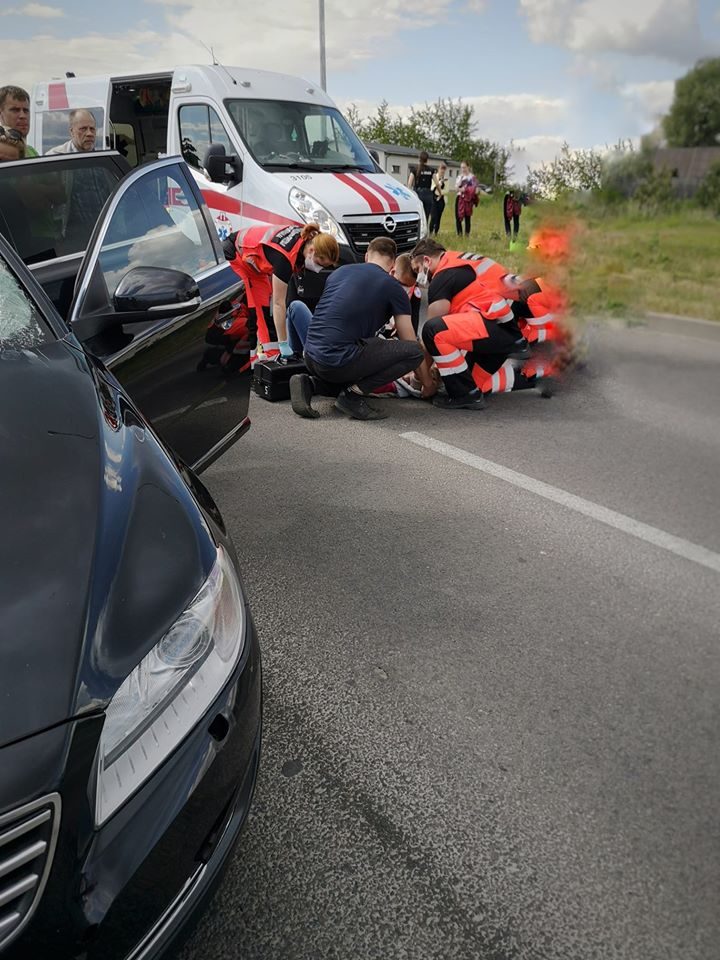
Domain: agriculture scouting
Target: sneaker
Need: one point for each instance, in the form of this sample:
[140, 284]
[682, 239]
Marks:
[547, 387]
[357, 407]
[520, 351]
[301, 395]
[471, 401]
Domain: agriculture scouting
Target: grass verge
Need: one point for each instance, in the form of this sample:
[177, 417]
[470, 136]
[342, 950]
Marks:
[625, 263]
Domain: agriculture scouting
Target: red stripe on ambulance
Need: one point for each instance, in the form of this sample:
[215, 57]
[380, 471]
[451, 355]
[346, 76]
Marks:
[370, 198]
[57, 97]
[387, 197]
[222, 201]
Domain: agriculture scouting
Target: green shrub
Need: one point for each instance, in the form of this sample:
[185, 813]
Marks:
[655, 192]
[709, 193]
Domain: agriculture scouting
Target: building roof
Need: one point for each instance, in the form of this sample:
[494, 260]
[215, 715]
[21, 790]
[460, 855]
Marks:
[408, 151]
[687, 163]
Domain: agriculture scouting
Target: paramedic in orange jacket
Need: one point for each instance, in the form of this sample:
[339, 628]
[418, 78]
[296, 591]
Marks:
[473, 352]
[265, 258]
[455, 279]
[471, 333]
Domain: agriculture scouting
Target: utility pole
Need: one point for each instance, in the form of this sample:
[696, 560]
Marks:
[323, 72]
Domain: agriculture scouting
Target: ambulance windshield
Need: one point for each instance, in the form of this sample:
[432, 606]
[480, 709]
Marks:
[285, 135]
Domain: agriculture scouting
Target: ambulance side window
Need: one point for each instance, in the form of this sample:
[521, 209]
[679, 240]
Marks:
[199, 127]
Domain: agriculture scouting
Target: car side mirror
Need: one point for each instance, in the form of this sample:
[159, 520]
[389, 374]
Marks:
[151, 293]
[217, 163]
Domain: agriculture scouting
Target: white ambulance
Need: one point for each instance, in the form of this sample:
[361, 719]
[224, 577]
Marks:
[266, 148]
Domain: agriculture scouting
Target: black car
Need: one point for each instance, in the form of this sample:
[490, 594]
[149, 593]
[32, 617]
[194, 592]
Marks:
[130, 680]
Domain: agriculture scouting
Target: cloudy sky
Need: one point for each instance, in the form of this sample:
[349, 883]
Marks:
[537, 72]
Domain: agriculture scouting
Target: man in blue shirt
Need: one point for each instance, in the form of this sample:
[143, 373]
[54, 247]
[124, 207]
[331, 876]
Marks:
[342, 347]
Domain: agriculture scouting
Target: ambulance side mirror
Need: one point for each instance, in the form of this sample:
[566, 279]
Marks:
[222, 167]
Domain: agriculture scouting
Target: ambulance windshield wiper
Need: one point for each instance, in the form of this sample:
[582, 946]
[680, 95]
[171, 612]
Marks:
[317, 167]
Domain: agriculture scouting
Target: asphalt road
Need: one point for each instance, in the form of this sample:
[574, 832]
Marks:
[491, 720]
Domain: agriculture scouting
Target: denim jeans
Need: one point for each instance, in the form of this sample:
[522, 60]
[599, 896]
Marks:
[297, 318]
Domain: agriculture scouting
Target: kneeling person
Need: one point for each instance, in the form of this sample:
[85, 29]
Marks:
[342, 347]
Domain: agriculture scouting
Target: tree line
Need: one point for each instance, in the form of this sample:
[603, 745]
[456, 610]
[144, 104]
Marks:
[446, 128]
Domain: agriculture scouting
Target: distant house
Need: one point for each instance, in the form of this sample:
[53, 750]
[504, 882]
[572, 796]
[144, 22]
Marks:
[689, 166]
[398, 161]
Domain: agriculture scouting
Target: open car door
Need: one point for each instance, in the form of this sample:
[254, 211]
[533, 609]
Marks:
[158, 303]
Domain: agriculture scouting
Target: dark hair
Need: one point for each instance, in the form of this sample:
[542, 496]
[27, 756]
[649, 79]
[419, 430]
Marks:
[15, 93]
[383, 246]
[423, 162]
[427, 248]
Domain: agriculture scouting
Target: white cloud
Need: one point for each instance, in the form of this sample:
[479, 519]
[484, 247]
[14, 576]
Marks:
[283, 37]
[650, 100]
[669, 29]
[39, 10]
[531, 152]
[500, 117]
[476, 6]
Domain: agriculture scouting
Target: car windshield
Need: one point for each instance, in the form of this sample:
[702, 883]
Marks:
[285, 135]
[49, 209]
[21, 326]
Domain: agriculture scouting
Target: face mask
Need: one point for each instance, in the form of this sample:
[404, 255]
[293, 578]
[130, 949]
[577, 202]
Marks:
[422, 278]
[311, 265]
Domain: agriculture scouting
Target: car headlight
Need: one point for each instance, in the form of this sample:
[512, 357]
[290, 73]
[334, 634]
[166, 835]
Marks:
[168, 692]
[312, 211]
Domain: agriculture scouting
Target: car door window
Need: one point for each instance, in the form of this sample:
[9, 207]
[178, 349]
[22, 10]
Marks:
[199, 127]
[157, 222]
[21, 325]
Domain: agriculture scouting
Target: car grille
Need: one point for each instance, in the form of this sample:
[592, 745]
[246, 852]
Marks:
[27, 844]
[406, 232]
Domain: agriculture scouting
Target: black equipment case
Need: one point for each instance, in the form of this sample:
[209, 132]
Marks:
[271, 380]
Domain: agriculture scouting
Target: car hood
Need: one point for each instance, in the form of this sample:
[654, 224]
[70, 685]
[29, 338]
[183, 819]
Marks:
[351, 193]
[102, 544]
[344, 194]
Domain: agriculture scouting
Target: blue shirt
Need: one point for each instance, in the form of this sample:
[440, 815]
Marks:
[358, 300]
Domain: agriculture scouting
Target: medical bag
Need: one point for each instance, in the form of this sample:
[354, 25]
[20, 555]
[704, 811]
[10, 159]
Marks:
[271, 379]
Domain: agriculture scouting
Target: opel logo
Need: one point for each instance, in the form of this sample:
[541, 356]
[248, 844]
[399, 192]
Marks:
[390, 224]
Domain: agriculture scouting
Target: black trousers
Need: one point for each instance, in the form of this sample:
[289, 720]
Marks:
[515, 223]
[425, 196]
[436, 212]
[377, 362]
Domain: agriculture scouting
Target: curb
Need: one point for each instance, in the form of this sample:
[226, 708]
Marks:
[683, 326]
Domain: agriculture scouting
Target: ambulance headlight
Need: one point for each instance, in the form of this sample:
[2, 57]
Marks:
[423, 223]
[311, 210]
[172, 687]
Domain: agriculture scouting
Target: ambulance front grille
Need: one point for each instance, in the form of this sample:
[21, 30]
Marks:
[405, 232]
[27, 843]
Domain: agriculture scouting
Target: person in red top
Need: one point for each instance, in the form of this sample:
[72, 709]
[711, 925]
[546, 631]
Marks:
[265, 258]
[512, 208]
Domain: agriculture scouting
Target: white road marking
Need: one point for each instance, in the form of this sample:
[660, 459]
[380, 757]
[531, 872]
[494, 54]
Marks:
[643, 531]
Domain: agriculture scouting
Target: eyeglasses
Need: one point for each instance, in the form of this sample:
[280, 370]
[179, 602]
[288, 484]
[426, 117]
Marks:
[9, 134]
